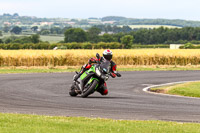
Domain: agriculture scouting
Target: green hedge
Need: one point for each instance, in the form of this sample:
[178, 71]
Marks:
[100, 45]
[74, 45]
[151, 46]
[193, 47]
[189, 46]
[25, 46]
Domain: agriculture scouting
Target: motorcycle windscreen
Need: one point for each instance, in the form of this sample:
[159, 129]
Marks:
[105, 66]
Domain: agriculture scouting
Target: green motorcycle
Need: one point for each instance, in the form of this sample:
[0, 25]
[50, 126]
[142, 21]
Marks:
[92, 79]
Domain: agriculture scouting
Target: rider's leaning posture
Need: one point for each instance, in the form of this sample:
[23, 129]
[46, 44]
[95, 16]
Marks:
[107, 56]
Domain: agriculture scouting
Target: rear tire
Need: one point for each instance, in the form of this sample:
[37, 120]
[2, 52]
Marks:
[72, 92]
[90, 90]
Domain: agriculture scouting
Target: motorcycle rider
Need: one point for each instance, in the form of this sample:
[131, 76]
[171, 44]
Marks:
[107, 55]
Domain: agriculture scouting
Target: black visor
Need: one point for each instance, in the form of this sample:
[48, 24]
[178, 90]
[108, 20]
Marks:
[107, 57]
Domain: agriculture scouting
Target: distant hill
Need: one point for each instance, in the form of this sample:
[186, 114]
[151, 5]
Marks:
[135, 21]
[29, 21]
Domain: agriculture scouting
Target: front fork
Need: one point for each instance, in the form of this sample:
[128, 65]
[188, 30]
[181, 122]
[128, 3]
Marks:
[83, 69]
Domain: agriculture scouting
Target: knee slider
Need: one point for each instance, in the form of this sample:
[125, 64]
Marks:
[105, 92]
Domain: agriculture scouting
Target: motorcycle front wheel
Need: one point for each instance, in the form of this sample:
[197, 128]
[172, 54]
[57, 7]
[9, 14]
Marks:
[87, 91]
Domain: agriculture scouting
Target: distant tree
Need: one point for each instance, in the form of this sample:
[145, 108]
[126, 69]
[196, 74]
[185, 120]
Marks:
[15, 15]
[56, 30]
[118, 36]
[101, 27]
[8, 40]
[75, 35]
[65, 28]
[23, 40]
[44, 32]
[1, 34]
[7, 15]
[6, 28]
[82, 22]
[117, 29]
[108, 28]
[35, 38]
[74, 20]
[113, 18]
[127, 41]
[93, 34]
[126, 29]
[107, 38]
[1, 41]
[16, 30]
[34, 28]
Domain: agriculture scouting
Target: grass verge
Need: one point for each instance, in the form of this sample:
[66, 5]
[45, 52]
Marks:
[50, 69]
[19, 123]
[191, 89]
[35, 70]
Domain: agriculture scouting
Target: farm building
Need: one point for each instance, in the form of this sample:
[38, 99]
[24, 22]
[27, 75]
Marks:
[175, 46]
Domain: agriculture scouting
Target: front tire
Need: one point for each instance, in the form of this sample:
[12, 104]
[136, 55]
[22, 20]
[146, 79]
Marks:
[90, 90]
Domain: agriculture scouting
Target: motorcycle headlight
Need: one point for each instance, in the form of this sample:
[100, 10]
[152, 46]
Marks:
[98, 72]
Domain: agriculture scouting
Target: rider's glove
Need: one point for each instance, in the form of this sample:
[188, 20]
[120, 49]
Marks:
[113, 75]
[92, 60]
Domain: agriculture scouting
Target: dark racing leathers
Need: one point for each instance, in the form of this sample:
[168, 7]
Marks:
[102, 90]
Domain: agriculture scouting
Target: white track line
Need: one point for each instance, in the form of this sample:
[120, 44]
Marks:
[146, 89]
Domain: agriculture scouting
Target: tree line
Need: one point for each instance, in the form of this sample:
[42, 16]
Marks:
[58, 30]
[35, 29]
[143, 36]
[128, 39]
[107, 33]
[21, 40]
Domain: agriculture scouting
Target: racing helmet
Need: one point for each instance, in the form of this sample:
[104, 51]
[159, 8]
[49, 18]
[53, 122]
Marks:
[107, 54]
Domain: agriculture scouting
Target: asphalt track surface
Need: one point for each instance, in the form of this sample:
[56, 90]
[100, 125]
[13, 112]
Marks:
[47, 94]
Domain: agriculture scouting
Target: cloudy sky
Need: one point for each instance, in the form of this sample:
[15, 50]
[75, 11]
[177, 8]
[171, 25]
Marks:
[169, 9]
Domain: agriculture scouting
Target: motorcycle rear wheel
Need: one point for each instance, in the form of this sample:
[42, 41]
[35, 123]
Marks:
[73, 92]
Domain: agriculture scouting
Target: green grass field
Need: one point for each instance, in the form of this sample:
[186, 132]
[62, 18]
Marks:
[191, 89]
[36, 70]
[20, 123]
[49, 38]
[52, 39]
